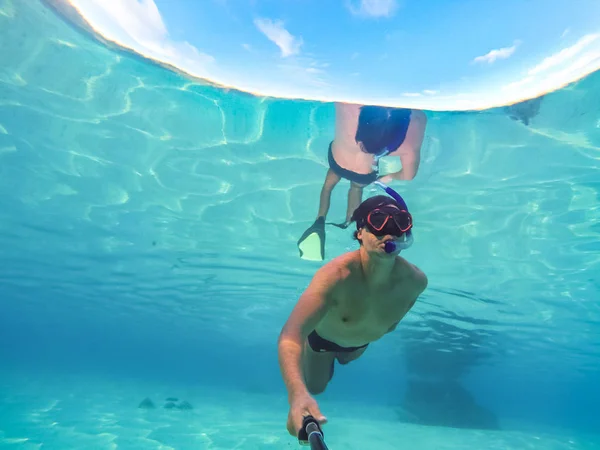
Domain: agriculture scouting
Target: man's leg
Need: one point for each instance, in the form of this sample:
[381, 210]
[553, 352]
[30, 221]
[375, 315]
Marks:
[346, 357]
[318, 366]
[354, 199]
[318, 369]
[331, 179]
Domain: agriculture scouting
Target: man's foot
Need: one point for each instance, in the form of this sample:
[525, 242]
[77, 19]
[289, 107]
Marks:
[342, 225]
[312, 243]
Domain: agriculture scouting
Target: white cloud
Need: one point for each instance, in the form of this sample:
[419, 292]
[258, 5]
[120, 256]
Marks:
[565, 54]
[315, 63]
[373, 8]
[138, 25]
[297, 73]
[564, 33]
[519, 83]
[420, 94]
[247, 47]
[559, 69]
[276, 32]
[493, 55]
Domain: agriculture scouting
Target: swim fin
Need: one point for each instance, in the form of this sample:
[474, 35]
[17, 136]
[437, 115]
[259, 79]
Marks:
[312, 243]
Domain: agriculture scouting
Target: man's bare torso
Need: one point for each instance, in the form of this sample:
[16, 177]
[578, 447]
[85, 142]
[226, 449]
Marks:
[360, 314]
[348, 153]
[345, 149]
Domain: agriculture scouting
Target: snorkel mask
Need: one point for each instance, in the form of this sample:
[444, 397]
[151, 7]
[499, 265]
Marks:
[390, 220]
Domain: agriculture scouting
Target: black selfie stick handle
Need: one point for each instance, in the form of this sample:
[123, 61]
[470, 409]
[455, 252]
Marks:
[312, 434]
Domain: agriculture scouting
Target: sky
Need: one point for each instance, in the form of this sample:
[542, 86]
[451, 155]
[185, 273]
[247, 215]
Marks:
[429, 54]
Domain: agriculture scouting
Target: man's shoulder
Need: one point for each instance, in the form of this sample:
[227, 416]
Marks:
[418, 116]
[343, 265]
[337, 268]
[330, 278]
[415, 276]
[420, 279]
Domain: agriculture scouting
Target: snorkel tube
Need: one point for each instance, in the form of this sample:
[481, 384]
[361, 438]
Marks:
[392, 246]
[312, 434]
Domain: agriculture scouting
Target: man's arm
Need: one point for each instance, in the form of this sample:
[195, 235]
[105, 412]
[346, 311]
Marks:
[410, 150]
[346, 123]
[420, 285]
[421, 281]
[308, 312]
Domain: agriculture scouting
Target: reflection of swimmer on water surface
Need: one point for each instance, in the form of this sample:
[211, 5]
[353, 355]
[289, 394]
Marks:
[524, 111]
[363, 135]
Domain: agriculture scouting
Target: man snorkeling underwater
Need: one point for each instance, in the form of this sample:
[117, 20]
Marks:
[353, 300]
[364, 135]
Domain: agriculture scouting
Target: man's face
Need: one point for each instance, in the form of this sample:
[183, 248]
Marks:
[385, 223]
[373, 243]
[374, 240]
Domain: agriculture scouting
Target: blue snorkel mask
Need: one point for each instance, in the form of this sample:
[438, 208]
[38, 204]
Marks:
[402, 221]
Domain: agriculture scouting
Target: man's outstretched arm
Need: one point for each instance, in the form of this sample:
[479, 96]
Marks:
[308, 312]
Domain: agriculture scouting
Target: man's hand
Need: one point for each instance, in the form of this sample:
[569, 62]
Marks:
[388, 178]
[385, 179]
[301, 406]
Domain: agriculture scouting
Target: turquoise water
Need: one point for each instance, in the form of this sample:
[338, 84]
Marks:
[148, 228]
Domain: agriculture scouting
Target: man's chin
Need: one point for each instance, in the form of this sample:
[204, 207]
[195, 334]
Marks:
[380, 252]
